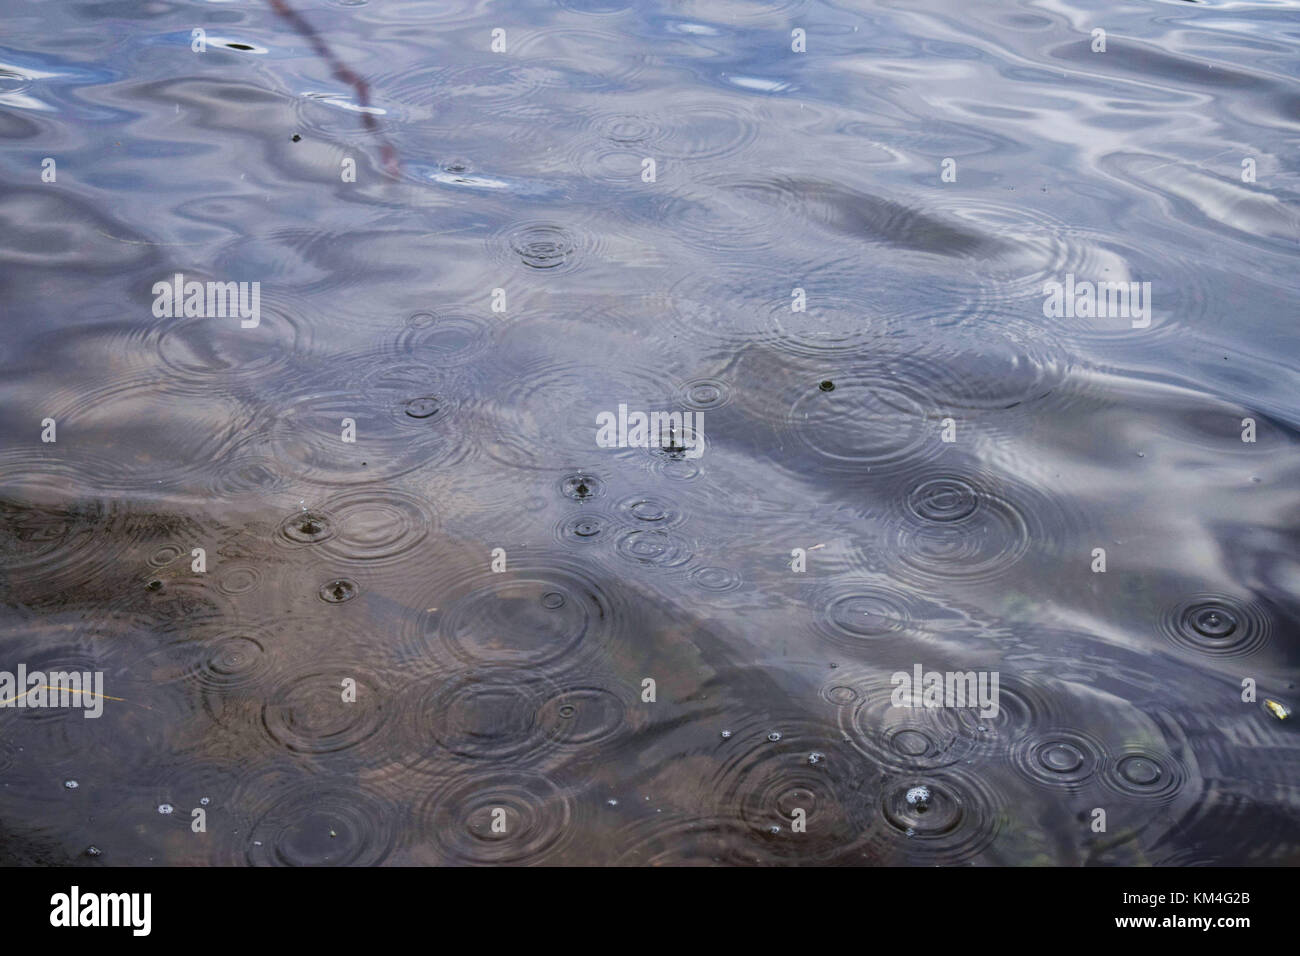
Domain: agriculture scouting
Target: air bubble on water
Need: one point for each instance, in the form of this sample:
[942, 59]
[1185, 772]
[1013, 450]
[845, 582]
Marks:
[815, 758]
[726, 735]
[774, 736]
[918, 797]
[93, 851]
[204, 801]
[164, 808]
[774, 829]
[611, 802]
[70, 784]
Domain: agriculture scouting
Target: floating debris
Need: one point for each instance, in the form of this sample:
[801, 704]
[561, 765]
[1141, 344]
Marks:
[1278, 710]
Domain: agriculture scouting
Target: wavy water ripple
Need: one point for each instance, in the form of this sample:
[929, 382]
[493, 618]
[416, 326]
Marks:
[362, 581]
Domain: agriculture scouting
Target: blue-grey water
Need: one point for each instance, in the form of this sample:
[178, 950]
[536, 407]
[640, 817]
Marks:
[432, 620]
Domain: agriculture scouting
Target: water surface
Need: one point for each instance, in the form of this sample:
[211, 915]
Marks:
[518, 697]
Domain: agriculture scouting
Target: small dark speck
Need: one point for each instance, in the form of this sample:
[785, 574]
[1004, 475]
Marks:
[296, 137]
[827, 386]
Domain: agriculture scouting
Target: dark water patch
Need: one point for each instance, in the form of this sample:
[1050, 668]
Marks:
[537, 613]
[191, 783]
[491, 714]
[50, 544]
[687, 838]
[140, 723]
[1060, 760]
[497, 817]
[216, 658]
[869, 218]
[591, 718]
[857, 616]
[1147, 774]
[1216, 625]
[167, 603]
[805, 797]
[294, 820]
[328, 708]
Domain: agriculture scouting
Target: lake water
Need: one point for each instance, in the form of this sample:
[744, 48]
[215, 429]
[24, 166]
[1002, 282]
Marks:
[985, 321]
